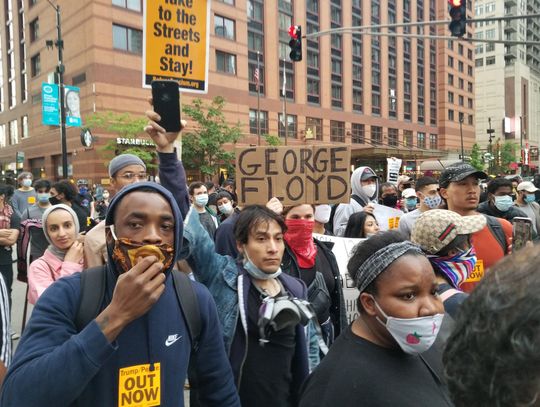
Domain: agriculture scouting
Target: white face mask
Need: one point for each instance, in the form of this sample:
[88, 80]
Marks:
[201, 200]
[413, 335]
[369, 190]
[226, 209]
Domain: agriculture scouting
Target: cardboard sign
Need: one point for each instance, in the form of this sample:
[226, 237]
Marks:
[343, 250]
[387, 218]
[392, 173]
[176, 40]
[295, 175]
[139, 386]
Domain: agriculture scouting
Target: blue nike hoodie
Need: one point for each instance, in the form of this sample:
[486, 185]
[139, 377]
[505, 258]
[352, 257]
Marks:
[55, 365]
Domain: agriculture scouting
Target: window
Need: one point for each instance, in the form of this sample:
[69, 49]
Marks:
[313, 90]
[225, 62]
[358, 133]
[291, 126]
[479, 62]
[461, 66]
[408, 138]
[35, 65]
[451, 79]
[13, 132]
[450, 115]
[2, 135]
[337, 131]
[421, 140]
[471, 120]
[470, 103]
[337, 100]
[461, 83]
[129, 4]
[470, 87]
[24, 121]
[490, 61]
[224, 27]
[376, 135]
[255, 10]
[34, 30]
[451, 97]
[315, 126]
[450, 61]
[461, 100]
[433, 141]
[263, 121]
[127, 39]
[393, 137]
[460, 49]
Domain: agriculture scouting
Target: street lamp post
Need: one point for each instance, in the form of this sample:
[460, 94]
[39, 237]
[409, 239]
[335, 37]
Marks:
[60, 74]
[490, 132]
[461, 135]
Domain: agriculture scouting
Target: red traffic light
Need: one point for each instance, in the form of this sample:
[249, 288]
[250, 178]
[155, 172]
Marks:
[293, 31]
[455, 3]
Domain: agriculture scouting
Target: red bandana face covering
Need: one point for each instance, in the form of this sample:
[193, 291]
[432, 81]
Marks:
[299, 237]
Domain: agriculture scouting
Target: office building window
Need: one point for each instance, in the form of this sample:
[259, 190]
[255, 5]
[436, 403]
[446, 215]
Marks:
[450, 115]
[291, 126]
[34, 30]
[408, 138]
[134, 5]
[376, 135]
[24, 122]
[337, 131]
[35, 65]
[393, 137]
[3, 135]
[433, 141]
[225, 62]
[224, 27]
[337, 96]
[315, 125]
[263, 121]
[127, 39]
[358, 133]
[421, 140]
[13, 132]
[479, 62]
[490, 61]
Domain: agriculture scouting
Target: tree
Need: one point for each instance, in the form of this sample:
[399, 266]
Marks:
[476, 157]
[126, 126]
[504, 155]
[272, 140]
[202, 147]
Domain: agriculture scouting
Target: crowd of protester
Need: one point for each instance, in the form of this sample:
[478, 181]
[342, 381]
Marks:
[447, 315]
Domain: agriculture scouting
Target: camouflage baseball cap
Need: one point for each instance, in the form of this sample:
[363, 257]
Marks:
[435, 229]
[458, 172]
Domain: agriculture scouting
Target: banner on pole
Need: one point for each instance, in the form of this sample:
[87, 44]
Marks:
[50, 112]
[176, 43]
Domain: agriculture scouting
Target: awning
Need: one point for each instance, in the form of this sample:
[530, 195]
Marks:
[437, 165]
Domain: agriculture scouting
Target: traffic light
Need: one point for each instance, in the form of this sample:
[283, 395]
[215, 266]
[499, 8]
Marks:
[458, 14]
[295, 32]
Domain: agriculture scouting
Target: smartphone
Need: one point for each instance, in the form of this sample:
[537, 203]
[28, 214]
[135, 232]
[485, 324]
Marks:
[522, 232]
[166, 100]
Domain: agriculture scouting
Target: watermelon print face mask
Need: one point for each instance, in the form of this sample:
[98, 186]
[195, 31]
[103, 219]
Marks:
[413, 335]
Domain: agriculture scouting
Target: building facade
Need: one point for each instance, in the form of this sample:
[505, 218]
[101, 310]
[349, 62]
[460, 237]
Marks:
[508, 79]
[385, 96]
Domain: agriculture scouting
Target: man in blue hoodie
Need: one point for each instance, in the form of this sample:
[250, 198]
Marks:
[136, 351]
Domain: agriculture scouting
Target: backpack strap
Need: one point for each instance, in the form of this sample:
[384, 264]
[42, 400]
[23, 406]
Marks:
[93, 283]
[497, 231]
[189, 304]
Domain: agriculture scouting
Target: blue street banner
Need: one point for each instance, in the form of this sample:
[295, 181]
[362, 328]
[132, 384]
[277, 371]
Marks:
[72, 101]
[50, 112]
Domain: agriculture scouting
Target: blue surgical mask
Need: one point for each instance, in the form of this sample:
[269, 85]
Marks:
[201, 200]
[256, 272]
[410, 203]
[433, 202]
[43, 197]
[529, 198]
[27, 182]
[503, 203]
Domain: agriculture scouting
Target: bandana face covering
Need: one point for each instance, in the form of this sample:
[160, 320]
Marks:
[299, 237]
[457, 268]
[126, 252]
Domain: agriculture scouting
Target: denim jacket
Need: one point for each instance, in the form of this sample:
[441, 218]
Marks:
[220, 275]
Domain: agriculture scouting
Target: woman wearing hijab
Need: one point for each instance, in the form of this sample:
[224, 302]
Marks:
[63, 257]
[377, 361]
[445, 237]
[313, 262]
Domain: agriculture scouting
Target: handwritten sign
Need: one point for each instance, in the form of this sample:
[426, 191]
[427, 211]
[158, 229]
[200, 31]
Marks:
[343, 249]
[176, 39]
[139, 386]
[295, 175]
[392, 173]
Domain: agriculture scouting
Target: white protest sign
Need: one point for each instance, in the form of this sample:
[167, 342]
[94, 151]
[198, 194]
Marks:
[392, 173]
[343, 249]
[387, 218]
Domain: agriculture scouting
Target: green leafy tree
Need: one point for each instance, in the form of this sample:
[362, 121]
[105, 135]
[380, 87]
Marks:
[202, 147]
[476, 157]
[122, 125]
[272, 140]
[504, 155]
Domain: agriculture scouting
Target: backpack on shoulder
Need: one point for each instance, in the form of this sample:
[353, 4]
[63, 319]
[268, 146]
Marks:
[497, 231]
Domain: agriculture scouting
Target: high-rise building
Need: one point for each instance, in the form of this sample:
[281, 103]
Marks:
[508, 78]
[385, 96]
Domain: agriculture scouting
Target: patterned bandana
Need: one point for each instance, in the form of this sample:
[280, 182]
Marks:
[456, 268]
[380, 260]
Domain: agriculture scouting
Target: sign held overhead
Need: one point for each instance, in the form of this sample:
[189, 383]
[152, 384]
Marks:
[295, 175]
[176, 39]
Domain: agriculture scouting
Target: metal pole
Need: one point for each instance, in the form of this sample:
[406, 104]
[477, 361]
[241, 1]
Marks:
[285, 118]
[258, 101]
[461, 134]
[60, 72]
[521, 144]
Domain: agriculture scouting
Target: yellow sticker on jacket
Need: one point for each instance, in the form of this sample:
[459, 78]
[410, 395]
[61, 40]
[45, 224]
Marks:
[393, 223]
[477, 273]
[31, 200]
[138, 386]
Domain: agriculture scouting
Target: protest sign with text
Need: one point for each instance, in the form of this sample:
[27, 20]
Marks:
[176, 40]
[295, 175]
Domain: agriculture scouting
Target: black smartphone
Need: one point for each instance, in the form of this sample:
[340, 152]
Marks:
[521, 233]
[166, 100]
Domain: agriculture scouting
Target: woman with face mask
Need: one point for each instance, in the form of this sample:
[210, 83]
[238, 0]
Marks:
[361, 225]
[63, 257]
[377, 360]
[445, 237]
[313, 262]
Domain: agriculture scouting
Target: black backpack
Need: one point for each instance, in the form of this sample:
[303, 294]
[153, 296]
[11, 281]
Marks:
[93, 282]
[497, 231]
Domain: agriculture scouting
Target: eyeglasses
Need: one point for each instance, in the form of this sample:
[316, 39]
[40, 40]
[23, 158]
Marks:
[131, 175]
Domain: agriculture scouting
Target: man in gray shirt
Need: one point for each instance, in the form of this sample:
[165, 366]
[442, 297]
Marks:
[525, 201]
[427, 191]
[199, 198]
